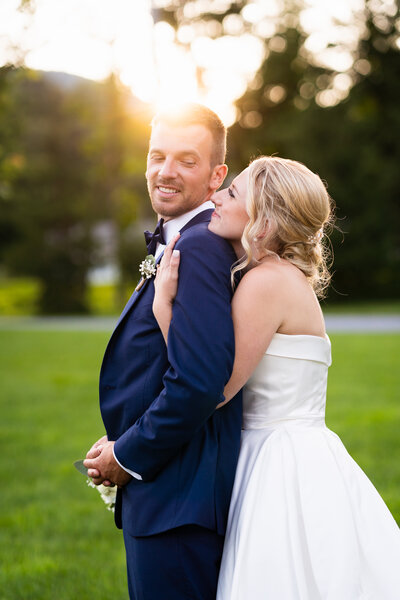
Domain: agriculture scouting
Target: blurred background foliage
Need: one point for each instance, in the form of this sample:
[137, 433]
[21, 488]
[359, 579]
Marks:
[72, 158]
[73, 194]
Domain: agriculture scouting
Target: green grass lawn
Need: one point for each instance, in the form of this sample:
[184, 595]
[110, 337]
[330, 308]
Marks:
[57, 540]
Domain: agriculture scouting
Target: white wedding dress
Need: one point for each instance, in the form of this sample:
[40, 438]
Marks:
[305, 522]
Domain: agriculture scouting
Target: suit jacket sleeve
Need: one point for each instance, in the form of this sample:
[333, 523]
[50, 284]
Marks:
[200, 352]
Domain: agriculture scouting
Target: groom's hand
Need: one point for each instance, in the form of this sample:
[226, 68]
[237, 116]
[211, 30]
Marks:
[102, 466]
[94, 452]
[99, 442]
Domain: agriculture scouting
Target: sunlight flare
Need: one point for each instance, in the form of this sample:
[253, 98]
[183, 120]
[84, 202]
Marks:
[163, 67]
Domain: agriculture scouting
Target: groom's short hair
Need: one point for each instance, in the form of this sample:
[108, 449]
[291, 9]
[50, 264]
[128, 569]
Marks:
[197, 114]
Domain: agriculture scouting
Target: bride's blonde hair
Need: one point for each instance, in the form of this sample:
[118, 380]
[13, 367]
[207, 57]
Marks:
[289, 210]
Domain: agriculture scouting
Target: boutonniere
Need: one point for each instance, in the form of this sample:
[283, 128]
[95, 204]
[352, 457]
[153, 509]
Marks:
[147, 270]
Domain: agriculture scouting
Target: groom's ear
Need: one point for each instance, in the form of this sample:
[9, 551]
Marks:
[217, 177]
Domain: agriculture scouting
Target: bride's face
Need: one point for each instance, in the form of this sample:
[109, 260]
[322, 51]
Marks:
[230, 216]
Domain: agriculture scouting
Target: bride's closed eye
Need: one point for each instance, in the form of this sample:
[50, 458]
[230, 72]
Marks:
[230, 192]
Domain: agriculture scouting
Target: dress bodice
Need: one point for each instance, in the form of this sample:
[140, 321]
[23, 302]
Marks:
[289, 383]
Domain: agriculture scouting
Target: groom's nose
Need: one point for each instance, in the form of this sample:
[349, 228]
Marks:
[168, 169]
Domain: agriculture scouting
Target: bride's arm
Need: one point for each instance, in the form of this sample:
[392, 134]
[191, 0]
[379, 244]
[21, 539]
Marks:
[166, 286]
[257, 315]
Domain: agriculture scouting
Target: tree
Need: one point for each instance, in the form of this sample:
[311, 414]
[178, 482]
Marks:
[74, 158]
[118, 174]
[10, 159]
[354, 146]
[350, 140]
[50, 197]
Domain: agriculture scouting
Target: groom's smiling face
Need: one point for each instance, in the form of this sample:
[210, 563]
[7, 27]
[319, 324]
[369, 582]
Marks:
[179, 173]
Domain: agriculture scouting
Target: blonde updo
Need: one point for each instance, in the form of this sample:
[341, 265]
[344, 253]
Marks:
[289, 210]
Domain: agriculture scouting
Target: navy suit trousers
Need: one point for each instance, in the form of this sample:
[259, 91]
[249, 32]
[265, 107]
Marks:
[179, 564]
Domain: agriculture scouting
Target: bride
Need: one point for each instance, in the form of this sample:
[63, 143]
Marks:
[305, 523]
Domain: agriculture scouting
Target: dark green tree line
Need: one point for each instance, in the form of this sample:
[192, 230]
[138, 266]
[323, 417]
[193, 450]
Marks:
[71, 158]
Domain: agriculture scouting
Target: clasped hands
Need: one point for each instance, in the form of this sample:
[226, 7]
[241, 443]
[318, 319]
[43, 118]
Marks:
[102, 466]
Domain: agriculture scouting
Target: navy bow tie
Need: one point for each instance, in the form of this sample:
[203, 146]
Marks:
[152, 239]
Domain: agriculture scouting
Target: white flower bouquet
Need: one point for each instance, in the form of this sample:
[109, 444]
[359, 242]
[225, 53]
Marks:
[108, 493]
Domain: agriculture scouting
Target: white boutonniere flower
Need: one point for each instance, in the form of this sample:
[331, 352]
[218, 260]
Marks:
[147, 267]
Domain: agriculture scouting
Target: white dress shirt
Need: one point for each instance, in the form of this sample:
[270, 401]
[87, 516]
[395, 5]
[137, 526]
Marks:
[170, 229]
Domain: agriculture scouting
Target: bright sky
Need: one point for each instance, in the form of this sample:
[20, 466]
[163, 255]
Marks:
[91, 37]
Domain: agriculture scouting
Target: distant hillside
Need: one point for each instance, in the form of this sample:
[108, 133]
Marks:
[66, 81]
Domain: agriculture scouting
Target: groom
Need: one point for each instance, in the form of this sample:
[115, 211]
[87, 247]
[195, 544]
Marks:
[173, 454]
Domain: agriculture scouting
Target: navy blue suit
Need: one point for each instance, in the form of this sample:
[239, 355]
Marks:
[159, 404]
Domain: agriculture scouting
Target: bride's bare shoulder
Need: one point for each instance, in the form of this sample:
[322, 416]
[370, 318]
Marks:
[272, 274]
[277, 294]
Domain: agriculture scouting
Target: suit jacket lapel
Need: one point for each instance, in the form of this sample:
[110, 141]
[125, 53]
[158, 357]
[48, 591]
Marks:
[136, 294]
[130, 303]
[202, 217]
